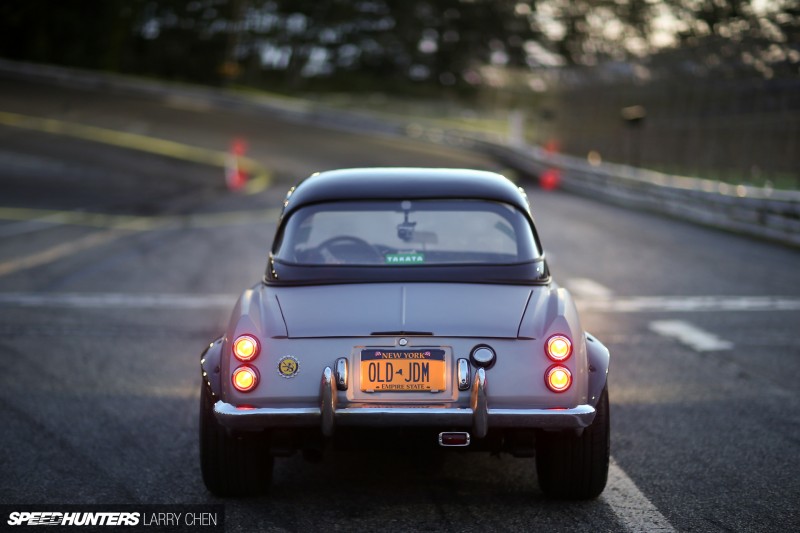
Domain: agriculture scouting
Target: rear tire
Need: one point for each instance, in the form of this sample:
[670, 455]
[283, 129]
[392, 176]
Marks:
[232, 465]
[576, 467]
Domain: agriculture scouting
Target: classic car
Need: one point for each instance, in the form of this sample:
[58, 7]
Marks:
[411, 306]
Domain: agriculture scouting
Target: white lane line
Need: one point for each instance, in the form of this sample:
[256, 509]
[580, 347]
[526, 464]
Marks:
[631, 305]
[634, 511]
[696, 338]
[587, 288]
[112, 300]
[690, 304]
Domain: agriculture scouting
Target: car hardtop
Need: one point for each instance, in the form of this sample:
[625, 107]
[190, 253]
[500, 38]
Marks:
[405, 184]
[396, 183]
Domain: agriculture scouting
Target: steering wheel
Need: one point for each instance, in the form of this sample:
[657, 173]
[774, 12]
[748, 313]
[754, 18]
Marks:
[349, 249]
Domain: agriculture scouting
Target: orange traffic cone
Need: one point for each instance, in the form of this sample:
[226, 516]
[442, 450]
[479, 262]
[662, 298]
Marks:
[235, 176]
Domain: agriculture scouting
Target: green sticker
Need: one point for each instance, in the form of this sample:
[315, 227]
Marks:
[405, 258]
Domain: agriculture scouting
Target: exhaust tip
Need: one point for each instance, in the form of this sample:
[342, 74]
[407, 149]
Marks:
[454, 438]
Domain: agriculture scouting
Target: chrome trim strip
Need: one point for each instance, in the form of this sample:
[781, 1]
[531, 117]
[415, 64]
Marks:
[341, 374]
[463, 374]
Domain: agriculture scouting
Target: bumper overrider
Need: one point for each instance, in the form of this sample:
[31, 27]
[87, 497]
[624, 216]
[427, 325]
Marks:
[478, 416]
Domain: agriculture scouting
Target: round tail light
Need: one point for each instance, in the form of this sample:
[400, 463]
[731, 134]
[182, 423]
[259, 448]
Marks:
[558, 378]
[245, 378]
[245, 348]
[558, 348]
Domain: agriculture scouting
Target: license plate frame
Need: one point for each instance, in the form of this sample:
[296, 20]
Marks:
[407, 370]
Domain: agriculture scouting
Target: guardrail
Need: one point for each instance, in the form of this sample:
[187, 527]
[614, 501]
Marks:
[760, 212]
[764, 213]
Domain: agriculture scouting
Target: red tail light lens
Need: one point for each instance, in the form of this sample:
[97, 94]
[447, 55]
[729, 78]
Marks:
[558, 378]
[245, 378]
[558, 348]
[245, 348]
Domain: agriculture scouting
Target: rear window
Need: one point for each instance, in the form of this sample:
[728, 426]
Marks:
[407, 233]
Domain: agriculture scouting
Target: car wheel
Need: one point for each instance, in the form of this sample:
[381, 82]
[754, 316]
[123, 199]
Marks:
[232, 465]
[575, 467]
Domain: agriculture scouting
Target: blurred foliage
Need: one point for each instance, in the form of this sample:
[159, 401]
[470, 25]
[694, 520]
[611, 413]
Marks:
[387, 45]
[384, 44]
[286, 45]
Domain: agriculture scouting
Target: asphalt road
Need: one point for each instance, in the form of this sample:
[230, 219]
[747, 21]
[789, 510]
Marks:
[102, 319]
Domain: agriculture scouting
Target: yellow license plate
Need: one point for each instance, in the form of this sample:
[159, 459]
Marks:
[402, 370]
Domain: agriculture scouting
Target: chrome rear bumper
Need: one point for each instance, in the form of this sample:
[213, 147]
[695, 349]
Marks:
[478, 416]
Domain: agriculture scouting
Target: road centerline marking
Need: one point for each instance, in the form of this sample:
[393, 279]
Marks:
[117, 226]
[59, 251]
[32, 225]
[260, 176]
[694, 337]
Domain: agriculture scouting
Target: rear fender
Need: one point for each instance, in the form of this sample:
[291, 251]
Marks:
[210, 366]
[598, 358]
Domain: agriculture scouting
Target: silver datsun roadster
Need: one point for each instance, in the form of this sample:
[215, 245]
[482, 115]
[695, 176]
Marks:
[410, 306]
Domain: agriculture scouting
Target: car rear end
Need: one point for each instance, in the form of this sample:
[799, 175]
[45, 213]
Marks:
[524, 370]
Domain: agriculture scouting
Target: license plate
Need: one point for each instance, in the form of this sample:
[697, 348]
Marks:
[402, 370]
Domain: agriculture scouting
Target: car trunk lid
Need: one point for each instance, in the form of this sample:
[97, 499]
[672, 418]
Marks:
[440, 309]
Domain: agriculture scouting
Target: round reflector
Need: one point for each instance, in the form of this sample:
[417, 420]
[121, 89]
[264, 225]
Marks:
[245, 378]
[558, 348]
[483, 356]
[558, 378]
[245, 348]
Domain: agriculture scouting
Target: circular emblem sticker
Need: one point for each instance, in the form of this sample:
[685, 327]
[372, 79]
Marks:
[288, 366]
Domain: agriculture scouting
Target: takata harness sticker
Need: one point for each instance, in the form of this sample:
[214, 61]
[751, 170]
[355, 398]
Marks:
[405, 258]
